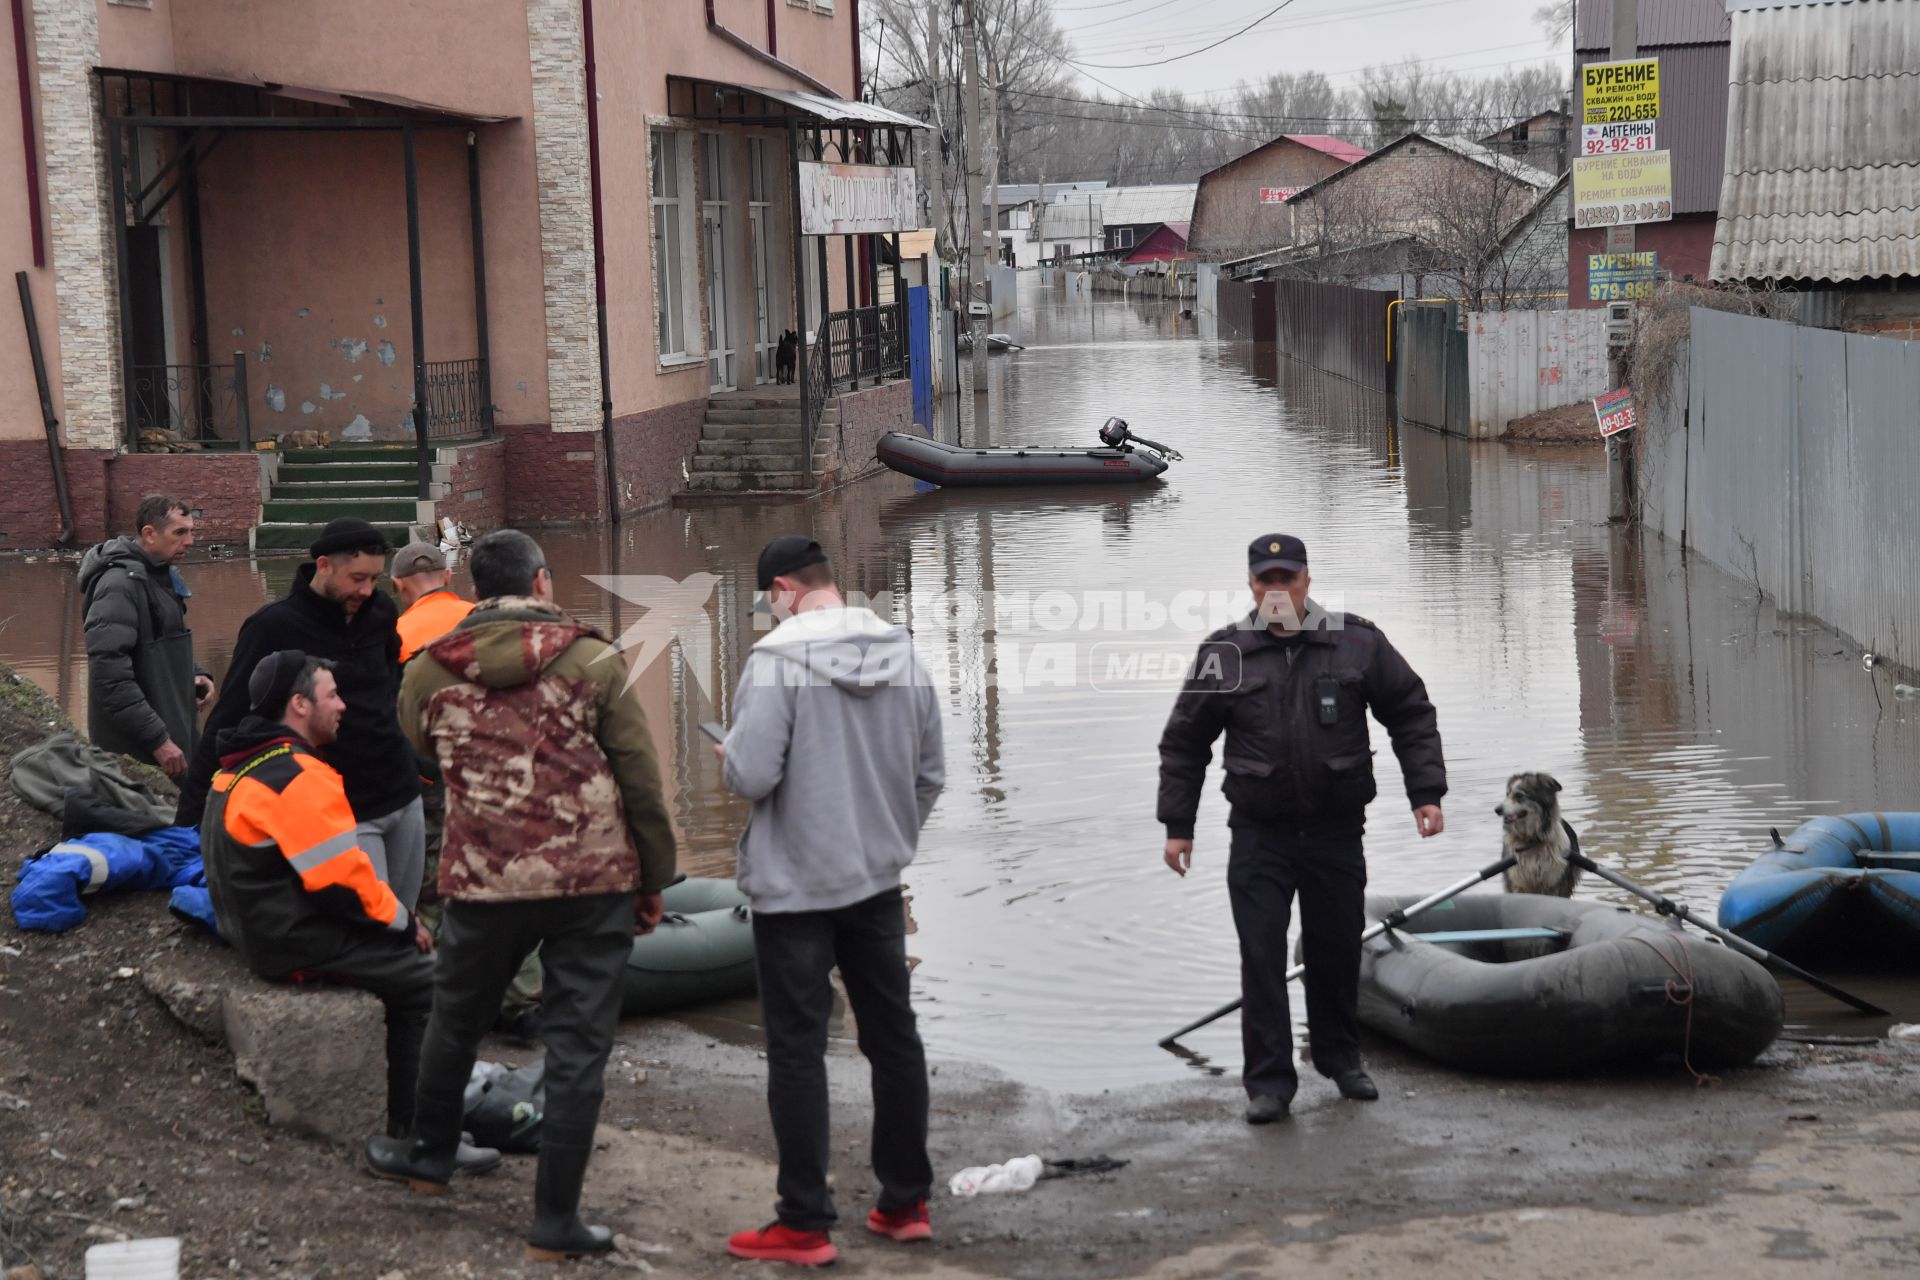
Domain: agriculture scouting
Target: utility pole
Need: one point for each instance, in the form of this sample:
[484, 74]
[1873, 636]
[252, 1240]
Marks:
[977, 309]
[942, 215]
[1625, 44]
[993, 160]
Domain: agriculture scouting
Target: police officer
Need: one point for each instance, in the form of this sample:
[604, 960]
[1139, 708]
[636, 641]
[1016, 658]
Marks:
[1291, 686]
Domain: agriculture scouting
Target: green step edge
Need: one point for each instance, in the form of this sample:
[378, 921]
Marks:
[308, 511]
[298, 537]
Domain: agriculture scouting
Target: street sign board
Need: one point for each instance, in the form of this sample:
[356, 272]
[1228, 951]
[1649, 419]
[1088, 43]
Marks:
[1622, 190]
[1615, 412]
[1612, 139]
[1618, 92]
[856, 199]
[1621, 277]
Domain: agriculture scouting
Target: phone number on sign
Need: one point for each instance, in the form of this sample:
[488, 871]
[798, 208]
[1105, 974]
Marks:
[1614, 215]
[1619, 290]
[1616, 146]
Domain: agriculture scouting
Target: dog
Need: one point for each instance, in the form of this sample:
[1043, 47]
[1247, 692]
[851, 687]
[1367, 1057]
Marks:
[1537, 837]
[783, 356]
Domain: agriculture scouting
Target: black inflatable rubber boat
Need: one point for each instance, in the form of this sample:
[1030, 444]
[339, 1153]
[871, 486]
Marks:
[1123, 458]
[1520, 985]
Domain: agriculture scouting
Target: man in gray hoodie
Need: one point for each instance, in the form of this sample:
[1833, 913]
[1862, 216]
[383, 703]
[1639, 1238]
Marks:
[836, 740]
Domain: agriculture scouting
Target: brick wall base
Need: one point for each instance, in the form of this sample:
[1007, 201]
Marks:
[652, 450]
[475, 488]
[559, 477]
[29, 507]
[223, 487]
[865, 416]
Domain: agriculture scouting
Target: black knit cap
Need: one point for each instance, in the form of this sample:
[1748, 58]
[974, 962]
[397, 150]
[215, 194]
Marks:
[349, 533]
[786, 554]
[272, 681]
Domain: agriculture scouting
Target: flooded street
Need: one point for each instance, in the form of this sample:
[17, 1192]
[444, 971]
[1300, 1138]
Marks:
[1682, 715]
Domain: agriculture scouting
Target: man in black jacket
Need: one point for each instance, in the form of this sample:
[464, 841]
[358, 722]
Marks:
[1290, 686]
[144, 690]
[334, 611]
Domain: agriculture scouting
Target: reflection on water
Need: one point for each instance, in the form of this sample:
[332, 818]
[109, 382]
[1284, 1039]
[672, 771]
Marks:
[1683, 716]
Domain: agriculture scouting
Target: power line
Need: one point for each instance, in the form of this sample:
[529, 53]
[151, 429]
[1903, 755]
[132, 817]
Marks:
[1125, 17]
[1135, 66]
[1351, 14]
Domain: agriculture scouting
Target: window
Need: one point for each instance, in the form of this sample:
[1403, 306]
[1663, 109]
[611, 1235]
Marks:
[1122, 238]
[669, 269]
[676, 247]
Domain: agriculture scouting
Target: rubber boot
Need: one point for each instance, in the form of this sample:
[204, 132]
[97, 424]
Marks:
[427, 1162]
[558, 1233]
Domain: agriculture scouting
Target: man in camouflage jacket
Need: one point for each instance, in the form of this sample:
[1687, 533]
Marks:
[557, 836]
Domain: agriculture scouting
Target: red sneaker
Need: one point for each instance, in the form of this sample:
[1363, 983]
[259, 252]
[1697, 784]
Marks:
[778, 1243]
[905, 1225]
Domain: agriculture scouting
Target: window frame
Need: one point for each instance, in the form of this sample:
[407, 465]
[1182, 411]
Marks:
[674, 241]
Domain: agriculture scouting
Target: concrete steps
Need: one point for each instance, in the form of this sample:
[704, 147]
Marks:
[751, 445]
[378, 483]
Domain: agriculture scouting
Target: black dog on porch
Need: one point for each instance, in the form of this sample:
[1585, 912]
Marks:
[783, 356]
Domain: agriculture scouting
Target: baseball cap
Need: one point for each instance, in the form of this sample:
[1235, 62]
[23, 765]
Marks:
[1276, 551]
[418, 557]
[784, 555]
[272, 681]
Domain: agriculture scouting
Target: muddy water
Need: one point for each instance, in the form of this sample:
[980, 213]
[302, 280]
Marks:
[1682, 715]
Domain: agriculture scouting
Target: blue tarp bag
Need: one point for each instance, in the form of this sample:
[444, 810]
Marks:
[53, 886]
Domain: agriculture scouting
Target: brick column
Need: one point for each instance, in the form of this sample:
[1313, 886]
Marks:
[557, 49]
[81, 249]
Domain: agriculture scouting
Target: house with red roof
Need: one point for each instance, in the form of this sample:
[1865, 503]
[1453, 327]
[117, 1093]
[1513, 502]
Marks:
[1241, 207]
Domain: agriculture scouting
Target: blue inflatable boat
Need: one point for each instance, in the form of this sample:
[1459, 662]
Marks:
[1838, 887]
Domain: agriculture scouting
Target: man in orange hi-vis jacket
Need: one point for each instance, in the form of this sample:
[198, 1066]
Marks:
[292, 889]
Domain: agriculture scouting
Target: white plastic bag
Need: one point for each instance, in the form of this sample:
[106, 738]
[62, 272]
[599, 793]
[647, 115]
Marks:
[1015, 1175]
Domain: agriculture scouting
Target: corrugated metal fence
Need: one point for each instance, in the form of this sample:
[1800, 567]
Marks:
[1519, 362]
[1790, 456]
[1334, 328]
[1430, 366]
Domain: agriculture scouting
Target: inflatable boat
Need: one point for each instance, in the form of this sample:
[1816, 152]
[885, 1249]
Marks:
[1523, 985]
[1122, 458]
[1840, 887]
[701, 952]
[997, 343]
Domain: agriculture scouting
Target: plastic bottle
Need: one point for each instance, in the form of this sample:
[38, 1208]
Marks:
[1015, 1175]
[1906, 692]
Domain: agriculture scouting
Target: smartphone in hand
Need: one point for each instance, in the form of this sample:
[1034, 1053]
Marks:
[714, 729]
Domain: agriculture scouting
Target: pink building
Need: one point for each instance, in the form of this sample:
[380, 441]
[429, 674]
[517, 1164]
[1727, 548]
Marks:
[574, 231]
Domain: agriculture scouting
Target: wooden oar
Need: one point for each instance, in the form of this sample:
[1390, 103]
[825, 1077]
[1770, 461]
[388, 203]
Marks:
[1678, 910]
[1391, 921]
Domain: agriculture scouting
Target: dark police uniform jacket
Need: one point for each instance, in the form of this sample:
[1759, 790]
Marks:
[1297, 749]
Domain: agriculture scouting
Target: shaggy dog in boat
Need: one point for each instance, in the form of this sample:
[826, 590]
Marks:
[1537, 836]
[783, 356]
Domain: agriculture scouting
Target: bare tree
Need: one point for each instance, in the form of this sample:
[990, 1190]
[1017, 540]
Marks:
[1470, 224]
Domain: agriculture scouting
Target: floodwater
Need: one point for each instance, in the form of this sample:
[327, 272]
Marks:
[1682, 715]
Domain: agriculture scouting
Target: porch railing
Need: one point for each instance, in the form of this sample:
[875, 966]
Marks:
[864, 345]
[459, 400]
[198, 403]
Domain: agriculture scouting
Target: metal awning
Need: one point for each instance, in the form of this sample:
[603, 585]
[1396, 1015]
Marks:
[241, 97]
[709, 101]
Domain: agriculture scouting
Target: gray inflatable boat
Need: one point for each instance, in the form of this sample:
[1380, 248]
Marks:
[1521, 985]
[1123, 458]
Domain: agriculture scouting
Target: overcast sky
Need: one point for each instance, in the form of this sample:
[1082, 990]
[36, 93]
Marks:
[1338, 37]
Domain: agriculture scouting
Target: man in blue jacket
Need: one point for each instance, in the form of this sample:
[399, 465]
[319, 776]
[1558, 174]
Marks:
[836, 740]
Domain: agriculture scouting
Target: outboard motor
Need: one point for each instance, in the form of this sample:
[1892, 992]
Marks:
[1116, 435]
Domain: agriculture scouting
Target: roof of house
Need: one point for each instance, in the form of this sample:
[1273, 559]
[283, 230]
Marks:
[1663, 23]
[1012, 193]
[1338, 148]
[1326, 144]
[1513, 167]
[1136, 206]
[1821, 180]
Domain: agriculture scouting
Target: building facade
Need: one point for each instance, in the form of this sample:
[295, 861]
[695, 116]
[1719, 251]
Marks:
[1240, 208]
[546, 232]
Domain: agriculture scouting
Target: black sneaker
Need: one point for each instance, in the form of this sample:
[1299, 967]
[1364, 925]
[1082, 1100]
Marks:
[1357, 1085]
[1265, 1108]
